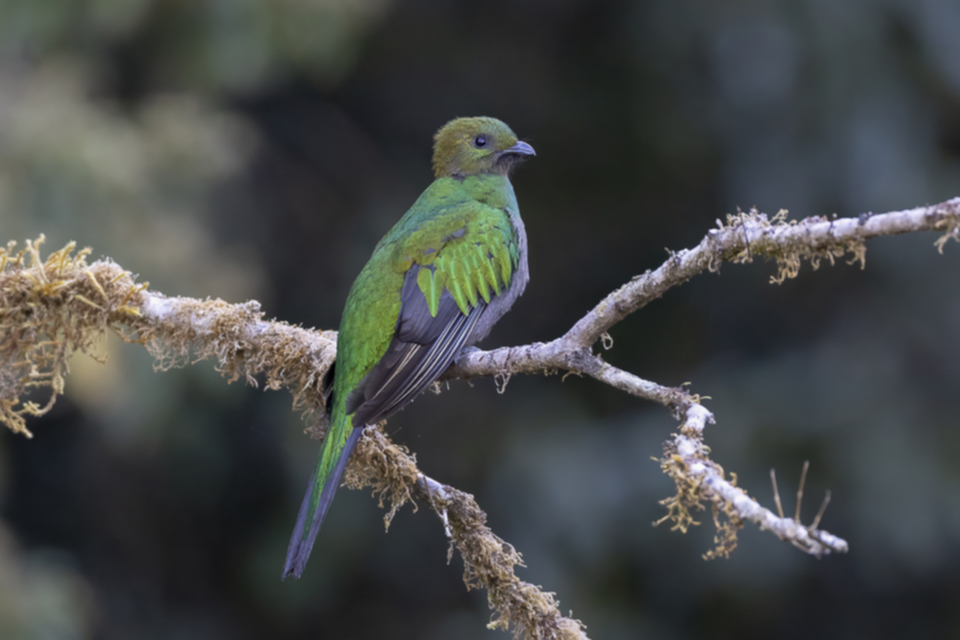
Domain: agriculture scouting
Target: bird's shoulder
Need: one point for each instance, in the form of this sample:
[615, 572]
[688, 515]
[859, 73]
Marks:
[452, 213]
[460, 239]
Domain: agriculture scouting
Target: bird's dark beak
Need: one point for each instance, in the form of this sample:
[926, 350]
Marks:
[521, 148]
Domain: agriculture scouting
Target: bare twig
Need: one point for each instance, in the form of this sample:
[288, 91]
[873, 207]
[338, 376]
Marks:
[823, 509]
[803, 481]
[776, 492]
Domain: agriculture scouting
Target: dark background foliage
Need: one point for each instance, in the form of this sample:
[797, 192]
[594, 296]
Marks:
[259, 150]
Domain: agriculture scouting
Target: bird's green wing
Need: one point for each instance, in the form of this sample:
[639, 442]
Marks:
[455, 266]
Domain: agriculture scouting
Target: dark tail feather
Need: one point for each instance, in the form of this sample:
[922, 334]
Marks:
[299, 550]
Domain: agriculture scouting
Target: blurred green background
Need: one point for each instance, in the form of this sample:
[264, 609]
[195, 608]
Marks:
[242, 149]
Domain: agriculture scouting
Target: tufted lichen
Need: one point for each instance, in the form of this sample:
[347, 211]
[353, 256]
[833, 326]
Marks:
[48, 310]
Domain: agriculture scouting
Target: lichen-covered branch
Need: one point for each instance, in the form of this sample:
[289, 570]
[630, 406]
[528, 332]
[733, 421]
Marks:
[179, 331]
[699, 479]
[752, 234]
[48, 310]
[51, 307]
[489, 560]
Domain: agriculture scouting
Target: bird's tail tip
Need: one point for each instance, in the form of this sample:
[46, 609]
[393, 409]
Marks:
[292, 569]
[300, 546]
[301, 542]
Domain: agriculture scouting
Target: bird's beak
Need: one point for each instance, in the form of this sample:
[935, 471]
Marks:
[521, 148]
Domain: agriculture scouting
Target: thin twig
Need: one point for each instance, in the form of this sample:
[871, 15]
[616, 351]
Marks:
[776, 492]
[803, 481]
[823, 509]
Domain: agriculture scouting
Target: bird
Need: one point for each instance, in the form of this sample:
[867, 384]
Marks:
[435, 284]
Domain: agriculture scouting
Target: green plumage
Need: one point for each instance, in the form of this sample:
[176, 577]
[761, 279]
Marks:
[439, 279]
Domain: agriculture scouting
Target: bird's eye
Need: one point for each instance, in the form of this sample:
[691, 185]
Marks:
[480, 141]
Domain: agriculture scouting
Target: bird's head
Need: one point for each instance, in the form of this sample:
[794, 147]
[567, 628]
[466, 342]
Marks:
[468, 146]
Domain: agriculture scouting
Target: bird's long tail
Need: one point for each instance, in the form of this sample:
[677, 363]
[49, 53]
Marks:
[334, 454]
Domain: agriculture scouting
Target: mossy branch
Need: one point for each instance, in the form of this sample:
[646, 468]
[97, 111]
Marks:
[51, 307]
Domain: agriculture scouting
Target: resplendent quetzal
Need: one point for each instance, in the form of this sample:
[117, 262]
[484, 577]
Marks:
[436, 283]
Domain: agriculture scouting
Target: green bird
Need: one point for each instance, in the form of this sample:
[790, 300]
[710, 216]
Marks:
[436, 283]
